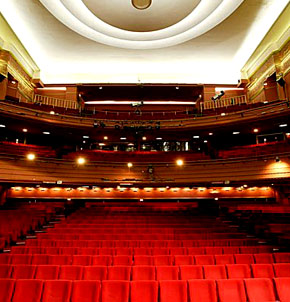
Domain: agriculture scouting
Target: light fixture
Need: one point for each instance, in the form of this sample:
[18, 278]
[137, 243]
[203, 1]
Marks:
[105, 138]
[141, 4]
[102, 144]
[86, 136]
[236, 132]
[179, 162]
[141, 199]
[245, 186]
[144, 138]
[30, 156]
[256, 130]
[159, 138]
[52, 112]
[196, 136]
[223, 114]
[283, 125]
[210, 133]
[24, 130]
[123, 138]
[81, 160]
[46, 132]
[205, 141]
[130, 165]
[130, 144]
[2, 126]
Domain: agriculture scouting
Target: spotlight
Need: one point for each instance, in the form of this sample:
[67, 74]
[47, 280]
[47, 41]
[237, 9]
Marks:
[81, 160]
[105, 138]
[30, 156]
[218, 96]
[179, 162]
[144, 138]
[130, 165]
[256, 130]
[24, 130]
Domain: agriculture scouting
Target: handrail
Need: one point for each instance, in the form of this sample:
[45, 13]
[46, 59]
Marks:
[224, 103]
[55, 102]
[245, 115]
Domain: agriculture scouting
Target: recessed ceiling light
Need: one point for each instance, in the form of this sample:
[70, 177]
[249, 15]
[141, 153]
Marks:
[210, 133]
[196, 136]
[30, 156]
[52, 112]
[236, 132]
[86, 136]
[144, 138]
[24, 130]
[123, 138]
[46, 132]
[2, 126]
[159, 138]
[283, 125]
[105, 138]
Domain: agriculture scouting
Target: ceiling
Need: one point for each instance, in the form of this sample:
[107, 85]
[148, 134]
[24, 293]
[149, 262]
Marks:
[185, 41]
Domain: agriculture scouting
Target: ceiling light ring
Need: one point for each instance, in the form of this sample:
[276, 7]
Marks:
[57, 8]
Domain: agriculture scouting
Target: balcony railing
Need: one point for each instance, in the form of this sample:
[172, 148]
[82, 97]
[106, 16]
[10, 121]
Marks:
[55, 102]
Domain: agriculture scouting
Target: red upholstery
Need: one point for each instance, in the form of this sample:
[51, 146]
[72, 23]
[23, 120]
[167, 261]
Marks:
[5, 258]
[282, 257]
[86, 291]
[119, 273]
[213, 250]
[160, 251]
[115, 291]
[231, 250]
[188, 272]
[70, 272]
[282, 286]
[87, 251]
[57, 291]
[143, 273]
[81, 260]
[282, 269]
[59, 259]
[204, 259]
[195, 251]
[23, 271]
[122, 260]
[262, 271]
[263, 258]
[39, 259]
[143, 260]
[238, 271]
[214, 272]
[95, 273]
[142, 251]
[47, 272]
[260, 290]
[124, 252]
[6, 289]
[20, 259]
[102, 260]
[167, 273]
[178, 251]
[244, 259]
[183, 260]
[5, 270]
[202, 291]
[162, 260]
[28, 291]
[224, 259]
[106, 251]
[173, 291]
[231, 291]
[145, 291]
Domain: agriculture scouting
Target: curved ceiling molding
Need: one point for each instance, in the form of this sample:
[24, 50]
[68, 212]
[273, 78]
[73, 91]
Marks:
[77, 16]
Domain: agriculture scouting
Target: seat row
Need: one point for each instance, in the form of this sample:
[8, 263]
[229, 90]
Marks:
[246, 290]
[184, 272]
[141, 243]
[143, 260]
[90, 251]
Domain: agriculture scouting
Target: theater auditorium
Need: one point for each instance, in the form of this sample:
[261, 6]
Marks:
[144, 151]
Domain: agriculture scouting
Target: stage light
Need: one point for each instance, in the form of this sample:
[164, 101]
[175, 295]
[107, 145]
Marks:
[130, 165]
[123, 138]
[196, 136]
[179, 162]
[81, 161]
[102, 144]
[86, 136]
[144, 138]
[30, 156]
[24, 130]
[159, 138]
[105, 138]
[210, 133]
[283, 125]
[256, 130]
[223, 114]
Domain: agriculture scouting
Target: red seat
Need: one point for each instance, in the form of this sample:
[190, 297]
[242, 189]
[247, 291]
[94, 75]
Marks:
[87, 251]
[231, 290]
[262, 271]
[214, 272]
[106, 251]
[124, 251]
[282, 269]
[142, 251]
[173, 291]
[162, 260]
[202, 291]
[20, 259]
[210, 250]
[178, 251]
[160, 251]
[122, 260]
[231, 250]
[143, 273]
[119, 272]
[204, 259]
[86, 291]
[244, 259]
[145, 291]
[260, 290]
[143, 260]
[224, 259]
[68, 251]
[95, 273]
[70, 272]
[23, 271]
[59, 259]
[263, 258]
[188, 272]
[27, 291]
[81, 260]
[47, 272]
[167, 273]
[39, 259]
[115, 291]
[195, 250]
[57, 291]
[5, 258]
[102, 260]
[6, 289]
[282, 257]
[238, 271]
[5, 270]
[282, 286]
[183, 260]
